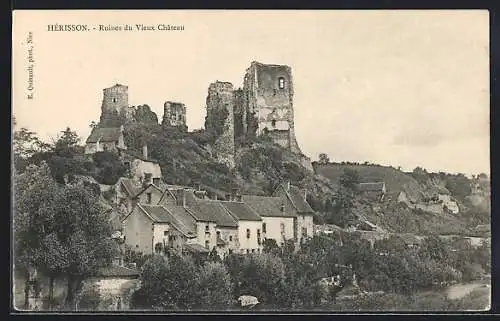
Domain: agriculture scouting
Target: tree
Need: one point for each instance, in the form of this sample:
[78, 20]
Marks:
[67, 144]
[34, 192]
[168, 284]
[324, 159]
[215, 286]
[262, 276]
[81, 231]
[344, 199]
[60, 230]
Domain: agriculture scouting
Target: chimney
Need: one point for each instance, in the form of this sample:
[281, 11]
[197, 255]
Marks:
[145, 151]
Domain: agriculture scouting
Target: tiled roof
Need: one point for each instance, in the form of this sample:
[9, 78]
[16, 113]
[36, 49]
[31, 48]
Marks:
[197, 248]
[266, 205]
[241, 211]
[104, 134]
[117, 271]
[211, 211]
[130, 186]
[298, 200]
[161, 215]
[371, 187]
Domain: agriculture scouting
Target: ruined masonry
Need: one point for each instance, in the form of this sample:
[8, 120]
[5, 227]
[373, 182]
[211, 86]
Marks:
[174, 114]
[263, 106]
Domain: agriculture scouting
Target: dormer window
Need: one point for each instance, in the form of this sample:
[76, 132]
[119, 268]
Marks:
[281, 83]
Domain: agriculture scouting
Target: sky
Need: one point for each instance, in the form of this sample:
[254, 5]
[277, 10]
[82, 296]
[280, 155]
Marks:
[399, 88]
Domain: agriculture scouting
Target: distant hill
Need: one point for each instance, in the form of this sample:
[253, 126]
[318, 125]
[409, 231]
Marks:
[419, 186]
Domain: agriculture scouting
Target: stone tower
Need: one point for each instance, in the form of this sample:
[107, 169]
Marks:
[220, 120]
[269, 100]
[174, 114]
[115, 106]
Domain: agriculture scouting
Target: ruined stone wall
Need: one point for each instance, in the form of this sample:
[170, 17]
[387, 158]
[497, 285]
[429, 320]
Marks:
[220, 101]
[240, 116]
[174, 114]
[269, 97]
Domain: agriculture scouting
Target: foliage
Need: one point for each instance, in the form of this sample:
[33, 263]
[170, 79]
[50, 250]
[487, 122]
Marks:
[343, 202]
[215, 122]
[60, 229]
[109, 167]
[259, 275]
[215, 287]
[323, 159]
[67, 144]
[168, 284]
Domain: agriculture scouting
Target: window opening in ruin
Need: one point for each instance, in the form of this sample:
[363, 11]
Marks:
[281, 83]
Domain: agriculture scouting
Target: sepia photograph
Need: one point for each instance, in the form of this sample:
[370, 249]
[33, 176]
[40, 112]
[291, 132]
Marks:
[250, 161]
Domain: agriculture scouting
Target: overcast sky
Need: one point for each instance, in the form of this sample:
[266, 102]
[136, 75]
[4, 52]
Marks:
[401, 88]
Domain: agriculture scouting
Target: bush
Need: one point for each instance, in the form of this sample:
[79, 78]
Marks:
[215, 286]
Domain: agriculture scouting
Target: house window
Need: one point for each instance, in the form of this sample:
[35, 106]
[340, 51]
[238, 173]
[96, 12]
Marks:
[114, 100]
[282, 227]
[218, 234]
[148, 195]
[253, 250]
[281, 82]
[165, 233]
[304, 231]
[156, 181]
[248, 251]
[207, 244]
[230, 238]
[230, 251]
[263, 227]
[147, 177]
[207, 228]
[248, 233]
[273, 122]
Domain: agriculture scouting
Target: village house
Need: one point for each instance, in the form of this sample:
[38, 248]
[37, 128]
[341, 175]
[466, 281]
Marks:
[105, 139]
[128, 193]
[278, 221]
[296, 199]
[249, 226]
[141, 168]
[150, 228]
[374, 190]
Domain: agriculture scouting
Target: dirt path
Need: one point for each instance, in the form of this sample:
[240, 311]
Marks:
[459, 291]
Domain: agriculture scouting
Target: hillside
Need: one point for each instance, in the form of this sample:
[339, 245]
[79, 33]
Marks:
[395, 180]
[419, 186]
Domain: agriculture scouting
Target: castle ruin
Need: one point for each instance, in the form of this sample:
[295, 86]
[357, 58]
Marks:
[264, 106]
[220, 120]
[174, 114]
[115, 109]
